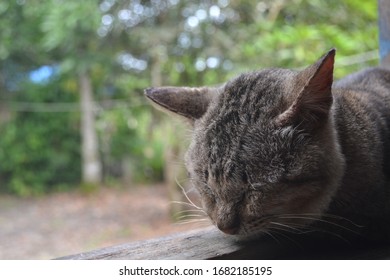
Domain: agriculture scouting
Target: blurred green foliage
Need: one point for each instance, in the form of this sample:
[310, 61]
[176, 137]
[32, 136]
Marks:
[40, 151]
[128, 45]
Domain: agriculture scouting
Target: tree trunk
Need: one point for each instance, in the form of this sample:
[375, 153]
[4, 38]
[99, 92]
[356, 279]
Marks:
[172, 147]
[91, 165]
[5, 114]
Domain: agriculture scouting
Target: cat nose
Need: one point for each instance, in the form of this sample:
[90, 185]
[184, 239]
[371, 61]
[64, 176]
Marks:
[228, 227]
[229, 230]
[227, 220]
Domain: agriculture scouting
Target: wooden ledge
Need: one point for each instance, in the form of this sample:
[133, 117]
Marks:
[209, 243]
[196, 244]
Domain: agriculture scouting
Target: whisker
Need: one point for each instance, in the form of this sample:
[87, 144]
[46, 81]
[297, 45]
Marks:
[286, 236]
[318, 220]
[181, 202]
[331, 233]
[342, 218]
[287, 228]
[189, 216]
[327, 216]
[182, 180]
[194, 221]
[184, 203]
[271, 235]
[311, 229]
[186, 196]
[191, 211]
[300, 228]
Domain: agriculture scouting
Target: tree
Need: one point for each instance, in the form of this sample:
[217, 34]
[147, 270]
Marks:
[115, 48]
[73, 40]
[39, 150]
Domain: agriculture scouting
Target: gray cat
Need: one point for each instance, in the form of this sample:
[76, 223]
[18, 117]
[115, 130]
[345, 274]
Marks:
[291, 151]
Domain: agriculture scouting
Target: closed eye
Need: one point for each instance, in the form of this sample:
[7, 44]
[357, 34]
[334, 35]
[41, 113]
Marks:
[206, 191]
[206, 175]
[301, 181]
[261, 187]
[257, 186]
[244, 178]
[204, 188]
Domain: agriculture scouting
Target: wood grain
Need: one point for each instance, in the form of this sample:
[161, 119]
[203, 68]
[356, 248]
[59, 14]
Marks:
[209, 243]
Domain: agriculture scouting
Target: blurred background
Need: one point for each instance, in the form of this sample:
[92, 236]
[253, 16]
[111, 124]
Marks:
[85, 161]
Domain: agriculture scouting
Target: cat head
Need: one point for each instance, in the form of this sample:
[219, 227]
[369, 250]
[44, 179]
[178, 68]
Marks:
[264, 148]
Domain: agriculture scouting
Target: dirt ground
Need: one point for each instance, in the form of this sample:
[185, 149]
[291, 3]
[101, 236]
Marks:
[68, 223]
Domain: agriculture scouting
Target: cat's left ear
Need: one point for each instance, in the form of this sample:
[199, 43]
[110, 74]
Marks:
[312, 104]
[189, 102]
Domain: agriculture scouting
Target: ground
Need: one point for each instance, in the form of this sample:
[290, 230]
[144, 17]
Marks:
[68, 223]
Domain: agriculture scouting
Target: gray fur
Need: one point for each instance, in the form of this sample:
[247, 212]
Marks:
[283, 150]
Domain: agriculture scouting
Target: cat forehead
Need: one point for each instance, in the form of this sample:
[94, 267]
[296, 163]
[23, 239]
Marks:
[250, 99]
[263, 79]
[253, 96]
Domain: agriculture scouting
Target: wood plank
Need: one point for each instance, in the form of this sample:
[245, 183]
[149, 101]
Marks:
[209, 243]
[187, 245]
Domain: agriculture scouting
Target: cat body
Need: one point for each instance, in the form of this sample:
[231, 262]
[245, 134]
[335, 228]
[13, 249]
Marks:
[291, 151]
[362, 111]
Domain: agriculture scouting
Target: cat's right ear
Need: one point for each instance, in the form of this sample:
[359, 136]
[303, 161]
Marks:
[312, 104]
[188, 102]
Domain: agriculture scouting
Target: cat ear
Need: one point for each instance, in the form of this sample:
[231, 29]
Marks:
[191, 103]
[312, 105]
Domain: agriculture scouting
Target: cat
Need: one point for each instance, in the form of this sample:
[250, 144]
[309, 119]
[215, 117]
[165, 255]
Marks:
[290, 151]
